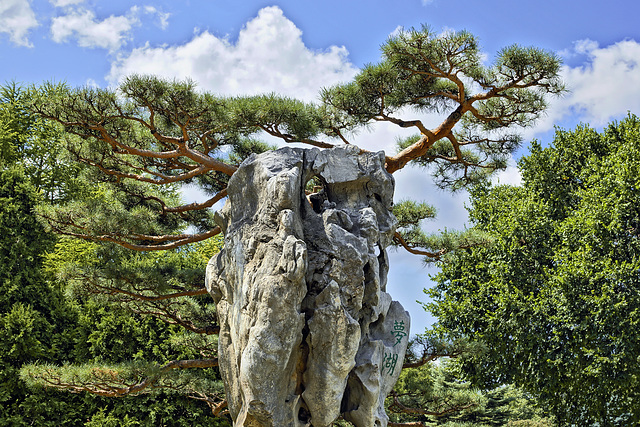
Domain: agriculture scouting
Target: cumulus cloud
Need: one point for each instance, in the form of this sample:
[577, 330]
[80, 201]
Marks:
[17, 19]
[609, 85]
[110, 33]
[268, 56]
[602, 88]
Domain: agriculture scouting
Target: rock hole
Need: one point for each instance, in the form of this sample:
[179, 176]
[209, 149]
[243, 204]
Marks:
[355, 387]
[304, 415]
[315, 192]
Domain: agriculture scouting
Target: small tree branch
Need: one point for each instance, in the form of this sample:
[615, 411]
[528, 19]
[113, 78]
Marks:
[198, 206]
[404, 123]
[398, 238]
[420, 147]
[106, 381]
[176, 240]
[113, 290]
[398, 408]
[163, 313]
[217, 407]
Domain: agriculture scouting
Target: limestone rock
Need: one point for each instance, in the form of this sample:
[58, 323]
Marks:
[307, 331]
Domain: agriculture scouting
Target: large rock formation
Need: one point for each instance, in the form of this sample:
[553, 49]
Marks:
[307, 331]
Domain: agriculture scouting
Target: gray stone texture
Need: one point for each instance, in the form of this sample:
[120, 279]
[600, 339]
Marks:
[307, 331]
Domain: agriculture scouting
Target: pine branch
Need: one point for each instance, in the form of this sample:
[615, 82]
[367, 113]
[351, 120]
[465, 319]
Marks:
[107, 382]
[218, 407]
[172, 318]
[436, 255]
[175, 240]
[432, 351]
[398, 408]
[112, 290]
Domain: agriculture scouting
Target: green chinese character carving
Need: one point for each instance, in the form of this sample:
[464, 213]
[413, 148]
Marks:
[389, 362]
[398, 331]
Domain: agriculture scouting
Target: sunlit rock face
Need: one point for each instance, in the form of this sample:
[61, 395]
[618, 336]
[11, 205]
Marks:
[307, 331]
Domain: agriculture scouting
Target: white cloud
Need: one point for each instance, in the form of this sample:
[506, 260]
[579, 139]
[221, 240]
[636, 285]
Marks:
[163, 18]
[510, 176]
[65, 3]
[584, 46]
[110, 33]
[609, 85]
[399, 30]
[269, 56]
[603, 88]
[17, 19]
[92, 83]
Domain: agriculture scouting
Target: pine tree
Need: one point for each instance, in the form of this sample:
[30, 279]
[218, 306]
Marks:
[146, 140]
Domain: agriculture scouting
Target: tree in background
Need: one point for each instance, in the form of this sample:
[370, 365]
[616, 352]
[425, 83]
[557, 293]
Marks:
[152, 137]
[555, 299]
[38, 320]
[433, 391]
[34, 143]
[35, 321]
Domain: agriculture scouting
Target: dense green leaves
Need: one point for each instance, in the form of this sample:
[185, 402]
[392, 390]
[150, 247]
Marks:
[50, 321]
[436, 393]
[556, 298]
[35, 144]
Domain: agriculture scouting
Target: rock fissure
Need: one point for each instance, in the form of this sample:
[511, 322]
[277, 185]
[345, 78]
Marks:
[307, 330]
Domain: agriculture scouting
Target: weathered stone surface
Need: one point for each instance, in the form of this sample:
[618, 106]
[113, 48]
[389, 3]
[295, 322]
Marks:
[307, 331]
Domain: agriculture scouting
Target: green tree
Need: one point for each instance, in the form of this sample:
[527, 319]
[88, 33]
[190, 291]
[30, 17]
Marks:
[438, 394]
[36, 144]
[38, 320]
[150, 137]
[427, 393]
[555, 299]
[26, 318]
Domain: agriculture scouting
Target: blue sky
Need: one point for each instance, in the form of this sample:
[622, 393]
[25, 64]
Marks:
[296, 47]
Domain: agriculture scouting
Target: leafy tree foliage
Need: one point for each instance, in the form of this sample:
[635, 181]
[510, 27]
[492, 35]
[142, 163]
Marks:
[432, 391]
[34, 321]
[34, 143]
[38, 321]
[555, 299]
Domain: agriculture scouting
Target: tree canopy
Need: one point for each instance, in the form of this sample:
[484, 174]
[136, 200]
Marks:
[555, 298]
